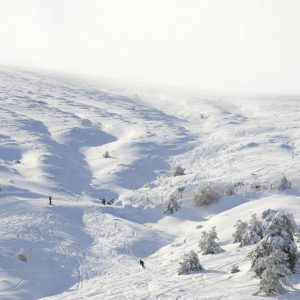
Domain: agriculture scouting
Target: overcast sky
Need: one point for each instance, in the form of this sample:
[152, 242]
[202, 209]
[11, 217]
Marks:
[234, 45]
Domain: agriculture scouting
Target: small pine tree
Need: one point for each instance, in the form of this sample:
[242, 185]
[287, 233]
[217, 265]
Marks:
[253, 233]
[208, 244]
[178, 171]
[190, 264]
[284, 184]
[171, 205]
[240, 231]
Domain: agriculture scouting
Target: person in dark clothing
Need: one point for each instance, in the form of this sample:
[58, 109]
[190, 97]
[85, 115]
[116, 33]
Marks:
[50, 200]
[142, 263]
[111, 202]
[103, 201]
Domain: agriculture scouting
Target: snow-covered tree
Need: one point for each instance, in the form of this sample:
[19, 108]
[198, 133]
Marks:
[269, 214]
[284, 184]
[208, 244]
[278, 222]
[253, 233]
[278, 235]
[267, 246]
[274, 258]
[178, 171]
[190, 264]
[274, 278]
[171, 205]
[240, 231]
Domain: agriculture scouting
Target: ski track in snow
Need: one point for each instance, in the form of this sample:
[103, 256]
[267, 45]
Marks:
[53, 135]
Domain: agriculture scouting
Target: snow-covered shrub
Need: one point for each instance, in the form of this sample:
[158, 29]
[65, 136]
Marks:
[240, 231]
[208, 244]
[178, 171]
[106, 154]
[253, 232]
[207, 194]
[229, 190]
[238, 184]
[256, 187]
[190, 264]
[21, 255]
[180, 189]
[234, 269]
[259, 254]
[284, 184]
[171, 205]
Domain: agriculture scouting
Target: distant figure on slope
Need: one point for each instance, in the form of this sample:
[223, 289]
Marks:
[103, 201]
[111, 202]
[142, 263]
[50, 200]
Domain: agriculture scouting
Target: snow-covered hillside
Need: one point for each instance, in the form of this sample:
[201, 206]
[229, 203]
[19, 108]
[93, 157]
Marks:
[54, 132]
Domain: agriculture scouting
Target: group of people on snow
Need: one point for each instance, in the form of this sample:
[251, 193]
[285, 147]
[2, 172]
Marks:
[103, 200]
[110, 202]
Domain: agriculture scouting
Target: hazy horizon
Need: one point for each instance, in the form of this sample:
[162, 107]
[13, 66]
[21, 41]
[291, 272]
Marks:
[231, 45]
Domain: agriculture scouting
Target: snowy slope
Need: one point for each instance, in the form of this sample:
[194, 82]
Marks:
[54, 132]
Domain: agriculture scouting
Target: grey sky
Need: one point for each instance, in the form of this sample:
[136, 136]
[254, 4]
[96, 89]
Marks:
[234, 45]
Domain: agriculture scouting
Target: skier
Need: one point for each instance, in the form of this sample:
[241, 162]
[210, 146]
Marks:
[111, 202]
[103, 201]
[142, 263]
[50, 200]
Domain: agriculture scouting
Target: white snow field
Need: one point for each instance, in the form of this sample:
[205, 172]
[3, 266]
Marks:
[54, 132]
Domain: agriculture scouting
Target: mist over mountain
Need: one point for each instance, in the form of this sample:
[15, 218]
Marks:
[209, 45]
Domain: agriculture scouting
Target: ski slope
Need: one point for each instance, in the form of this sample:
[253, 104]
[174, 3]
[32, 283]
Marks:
[54, 132]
